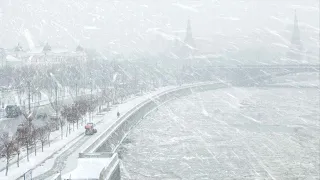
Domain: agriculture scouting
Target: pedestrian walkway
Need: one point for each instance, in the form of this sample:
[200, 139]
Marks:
[10, 125]
[44, 161]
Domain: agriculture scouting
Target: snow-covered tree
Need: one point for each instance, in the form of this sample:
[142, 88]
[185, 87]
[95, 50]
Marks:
[24, 133]
[43, 135]
[7, 148]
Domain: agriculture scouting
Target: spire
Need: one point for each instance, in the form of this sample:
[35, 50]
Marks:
[189, 39]
[79, 48]
[296, 48]
[186, 49]
[18, 48]
[47, 47]
[296, 32]
[295, 18]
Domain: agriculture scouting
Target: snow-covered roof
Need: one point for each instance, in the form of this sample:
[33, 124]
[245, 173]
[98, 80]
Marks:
[12, 59]
[88, 168]
[59, 50]
[55, 50]
[36, 50]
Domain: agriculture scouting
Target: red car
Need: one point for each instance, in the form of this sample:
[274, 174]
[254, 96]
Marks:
[90, 130]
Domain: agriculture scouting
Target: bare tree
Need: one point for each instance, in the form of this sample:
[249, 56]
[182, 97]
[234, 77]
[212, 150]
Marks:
[17, 149]
[56, 106]
[71, 114]
[122, 94]
[82, 108]
[24, 134]
[65, 113]
[49, 127]
[92, 104]
[105, 95]
[34, 137]
[51, 88]
[7, 148]
[43, 135]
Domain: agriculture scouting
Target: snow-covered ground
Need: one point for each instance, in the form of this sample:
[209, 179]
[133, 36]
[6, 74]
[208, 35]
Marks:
[235, 133]
[253, 114]
[62, 154]
[10, 124]
[66, 159]
[90, 168]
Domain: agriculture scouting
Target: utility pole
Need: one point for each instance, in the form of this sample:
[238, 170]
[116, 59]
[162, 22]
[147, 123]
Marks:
[91, 111]
[29, 97]
[91, 92]
[56, 101]
[135, 78]
[76, 90]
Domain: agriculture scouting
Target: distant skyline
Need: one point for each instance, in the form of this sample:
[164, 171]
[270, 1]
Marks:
[129, 26]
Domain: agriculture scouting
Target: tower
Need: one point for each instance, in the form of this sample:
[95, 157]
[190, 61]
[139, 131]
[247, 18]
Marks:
[296, 48]
[176, 41]
[189, 41]
[188, 47]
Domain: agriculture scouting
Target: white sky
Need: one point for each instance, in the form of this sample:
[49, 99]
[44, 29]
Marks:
[128, 25]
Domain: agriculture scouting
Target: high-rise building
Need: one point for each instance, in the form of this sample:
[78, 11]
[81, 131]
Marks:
[296, 49]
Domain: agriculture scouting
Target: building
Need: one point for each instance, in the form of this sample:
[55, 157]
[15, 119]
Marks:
[186, 49]
[13, 61]
[43, 55]
[296, 50]
[188, 46]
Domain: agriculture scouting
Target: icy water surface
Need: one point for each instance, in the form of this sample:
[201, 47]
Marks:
[228, 134]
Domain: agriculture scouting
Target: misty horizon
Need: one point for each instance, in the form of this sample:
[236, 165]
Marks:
[127, 27]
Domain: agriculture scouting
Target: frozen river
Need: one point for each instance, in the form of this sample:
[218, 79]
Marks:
[236, 133]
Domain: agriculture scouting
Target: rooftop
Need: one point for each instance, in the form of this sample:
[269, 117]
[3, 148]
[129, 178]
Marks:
[88, 168]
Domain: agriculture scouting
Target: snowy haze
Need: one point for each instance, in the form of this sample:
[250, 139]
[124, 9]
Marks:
[227, 134]
[134, 70]
[150, 26]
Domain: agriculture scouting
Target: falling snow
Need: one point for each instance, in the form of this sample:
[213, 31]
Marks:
[206, 89]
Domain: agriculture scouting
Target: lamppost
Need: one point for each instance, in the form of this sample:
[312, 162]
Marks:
[2, 56]
[76, 90]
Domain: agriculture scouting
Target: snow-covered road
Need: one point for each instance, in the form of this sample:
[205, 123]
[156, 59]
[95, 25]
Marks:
[60, 161]
[236, 99]
[246, 133]
[66, 160]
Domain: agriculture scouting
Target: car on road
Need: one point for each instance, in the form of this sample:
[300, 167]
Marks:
[89, 129]
[12, 111]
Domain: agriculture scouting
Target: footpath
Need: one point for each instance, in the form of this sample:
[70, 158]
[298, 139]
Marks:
[45, 162]
[10, 123]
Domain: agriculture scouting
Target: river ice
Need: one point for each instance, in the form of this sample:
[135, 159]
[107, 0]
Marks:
[236, 133]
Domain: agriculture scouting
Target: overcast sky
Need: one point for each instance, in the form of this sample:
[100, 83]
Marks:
[128, 25]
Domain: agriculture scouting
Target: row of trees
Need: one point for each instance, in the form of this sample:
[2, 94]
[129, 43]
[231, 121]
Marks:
[33, 131]
[124, 77]
[101, 72]
[76, 112]
[28, 135]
